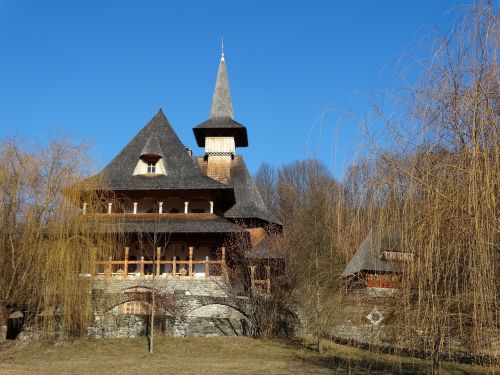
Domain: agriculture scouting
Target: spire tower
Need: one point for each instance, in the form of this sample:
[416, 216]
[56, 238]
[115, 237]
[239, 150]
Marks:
[221, 123]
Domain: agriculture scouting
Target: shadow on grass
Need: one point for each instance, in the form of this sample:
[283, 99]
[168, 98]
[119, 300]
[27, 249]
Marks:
[345, 364]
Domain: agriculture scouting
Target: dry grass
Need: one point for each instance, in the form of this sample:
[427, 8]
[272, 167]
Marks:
[218, 355]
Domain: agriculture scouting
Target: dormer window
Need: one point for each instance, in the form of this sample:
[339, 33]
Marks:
[151, 166]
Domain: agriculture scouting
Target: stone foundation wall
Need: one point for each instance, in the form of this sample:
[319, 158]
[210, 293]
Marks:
[194, 307]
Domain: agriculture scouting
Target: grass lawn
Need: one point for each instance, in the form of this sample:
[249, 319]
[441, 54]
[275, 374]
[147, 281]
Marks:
[216, 355]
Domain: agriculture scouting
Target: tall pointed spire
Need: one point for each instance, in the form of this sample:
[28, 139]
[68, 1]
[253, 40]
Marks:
[221, 122]
[222, 106]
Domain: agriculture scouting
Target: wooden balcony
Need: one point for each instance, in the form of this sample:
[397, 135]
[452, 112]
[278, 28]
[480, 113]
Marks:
[260, 286]
[160, 267]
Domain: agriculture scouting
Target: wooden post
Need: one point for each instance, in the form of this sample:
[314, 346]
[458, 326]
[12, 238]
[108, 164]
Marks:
[207, 268]
[135, 207]
[142, 266]
[174, 265]
[125, 262]
[110, 207]
[211, 207]
[190, 261]
[108, 267]
[223, 260]
[158, 255]
[186, 204]
[252, 277]
[268, 279]
[84, 208]
[160, 207]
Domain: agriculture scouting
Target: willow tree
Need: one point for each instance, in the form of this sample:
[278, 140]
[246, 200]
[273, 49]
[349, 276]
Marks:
[47, 247]
[444, 181]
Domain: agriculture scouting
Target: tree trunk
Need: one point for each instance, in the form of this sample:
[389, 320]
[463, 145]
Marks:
[3, 323]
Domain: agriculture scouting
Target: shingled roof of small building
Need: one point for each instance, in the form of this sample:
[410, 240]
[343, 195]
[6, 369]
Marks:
[368, 255]
[221, 121]
[159, 138]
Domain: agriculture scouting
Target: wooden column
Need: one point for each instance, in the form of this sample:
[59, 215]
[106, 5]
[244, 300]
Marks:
[108, 270]
[158, 255]
[135, 207]
[174, 266]
[142, 266]
[190, 261]
[207, 267]
[268, 279]
[110, 207]
[186, 207]
[160, 207]
[223, 260]
[125, 262]
[84, 208]
[211, 207]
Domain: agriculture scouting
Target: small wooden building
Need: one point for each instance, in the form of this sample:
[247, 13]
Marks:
[378, 263]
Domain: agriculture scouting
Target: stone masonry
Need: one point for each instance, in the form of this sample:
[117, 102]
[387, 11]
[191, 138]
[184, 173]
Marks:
[186, 307]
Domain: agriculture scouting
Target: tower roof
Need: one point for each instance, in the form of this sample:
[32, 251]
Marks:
[221, 121]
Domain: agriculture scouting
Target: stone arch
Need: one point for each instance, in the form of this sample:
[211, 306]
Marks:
[129, 294]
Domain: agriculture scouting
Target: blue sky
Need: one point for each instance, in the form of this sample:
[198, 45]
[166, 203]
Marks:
[99, 70]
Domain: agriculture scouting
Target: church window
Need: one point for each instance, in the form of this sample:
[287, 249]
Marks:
[151, 167]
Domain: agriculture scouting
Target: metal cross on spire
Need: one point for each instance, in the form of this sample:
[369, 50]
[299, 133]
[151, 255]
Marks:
[222, 48]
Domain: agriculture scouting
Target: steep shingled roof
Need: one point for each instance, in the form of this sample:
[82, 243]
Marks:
[249, 203]
[368, 255]
[221, 121]
[264, 250]
[157, 137]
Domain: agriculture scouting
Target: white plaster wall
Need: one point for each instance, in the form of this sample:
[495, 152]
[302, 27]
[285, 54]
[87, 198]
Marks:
[142, 168]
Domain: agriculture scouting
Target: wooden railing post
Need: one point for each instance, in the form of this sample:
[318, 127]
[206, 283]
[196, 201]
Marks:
[108, 267]
[223, 260]
[158, 255]
[142, 266]
[190, 261]
[268, 279]
[207, 267]
[252, 277]
[174, 266]
[125, 262]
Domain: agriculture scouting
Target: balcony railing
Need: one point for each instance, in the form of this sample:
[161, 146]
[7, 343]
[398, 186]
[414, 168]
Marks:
[159, 268]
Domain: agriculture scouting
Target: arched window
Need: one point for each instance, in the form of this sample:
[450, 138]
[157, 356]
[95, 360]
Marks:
[199, 205]
[173, 205]
[147, 205]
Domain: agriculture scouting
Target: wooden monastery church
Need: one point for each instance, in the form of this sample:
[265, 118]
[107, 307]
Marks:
[182, 217]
